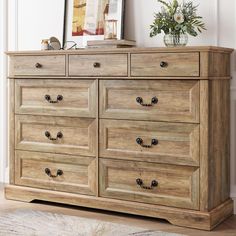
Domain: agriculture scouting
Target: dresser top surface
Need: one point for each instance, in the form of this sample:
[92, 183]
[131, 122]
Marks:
[125, 50]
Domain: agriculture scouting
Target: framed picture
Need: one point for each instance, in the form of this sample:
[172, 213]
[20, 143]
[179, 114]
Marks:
[86, 20]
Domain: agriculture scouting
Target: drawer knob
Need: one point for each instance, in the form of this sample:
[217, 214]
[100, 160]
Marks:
[49, 99]
[96, 65]
[154, 100]
[163, 64]
[140, 142]
[48, 135]
[140, 183]
[49, 173]
[38, 65]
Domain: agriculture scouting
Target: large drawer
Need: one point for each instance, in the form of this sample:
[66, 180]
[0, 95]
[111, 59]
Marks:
[56, 134]
[165, 64]
[172, 100]
[98, 65]
[160, 142]
[169, 185]
[38, 65]
[56, 172]
[56, 97]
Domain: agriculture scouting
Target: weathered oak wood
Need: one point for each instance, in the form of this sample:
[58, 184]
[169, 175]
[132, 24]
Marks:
[126, 121]
[79, 135]
[177, 100]
[175, 64]
[78, 97]
[177, 143]
[177, 216]
[79, 173]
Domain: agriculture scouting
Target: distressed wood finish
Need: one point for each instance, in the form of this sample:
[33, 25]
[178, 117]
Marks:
[183, 106]
[149, 64]
[177, 143]
[47, 65]
[107, 65]
[78, 97]
[177, 186]
[78, 172]
[79, 134]
[11, 130]
[214, 136]
[177, 100]
[177, 216]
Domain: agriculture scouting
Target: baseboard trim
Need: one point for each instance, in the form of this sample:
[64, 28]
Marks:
[176, 216]
[234, 199]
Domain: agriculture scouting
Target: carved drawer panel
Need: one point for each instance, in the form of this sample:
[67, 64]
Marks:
[56, 172]
[165, 64]
[56, 97]
[54, 65]
[170, 185]
[98, 65]
[160, 100]
[56, 134]
[160, 142]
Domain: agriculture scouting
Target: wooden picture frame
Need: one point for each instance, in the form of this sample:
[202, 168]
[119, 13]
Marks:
[84, 20]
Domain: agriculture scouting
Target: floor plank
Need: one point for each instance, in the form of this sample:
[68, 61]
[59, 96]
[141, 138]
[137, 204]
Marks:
[228, 228]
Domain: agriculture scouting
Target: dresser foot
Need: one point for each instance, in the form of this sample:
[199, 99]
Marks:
[176, 216]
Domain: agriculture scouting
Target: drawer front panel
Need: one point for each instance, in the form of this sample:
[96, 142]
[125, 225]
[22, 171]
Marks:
[165, 64]
[56, 97]
[150, 183]
[39, 65]
[171, 100]
[98, 65]
[75, 174]
[56, 134]
[150, 141]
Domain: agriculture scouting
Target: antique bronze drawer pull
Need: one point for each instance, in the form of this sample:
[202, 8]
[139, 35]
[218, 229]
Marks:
[140, 142]
[49, 99]
[48, 135]
[96, 65]
[49, 173]
[163, 64]
[153, 101]
[38, 65]
[140, 183]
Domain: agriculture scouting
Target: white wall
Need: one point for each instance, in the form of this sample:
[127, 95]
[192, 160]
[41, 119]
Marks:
[32, 20]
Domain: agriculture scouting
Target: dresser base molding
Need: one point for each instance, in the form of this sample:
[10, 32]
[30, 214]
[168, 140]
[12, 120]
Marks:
[179, 217]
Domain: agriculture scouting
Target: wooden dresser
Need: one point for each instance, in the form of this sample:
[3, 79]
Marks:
[142, 131]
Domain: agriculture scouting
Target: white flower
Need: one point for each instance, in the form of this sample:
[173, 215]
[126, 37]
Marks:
[179, 18]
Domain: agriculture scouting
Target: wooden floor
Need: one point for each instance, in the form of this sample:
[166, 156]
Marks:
[225, 229]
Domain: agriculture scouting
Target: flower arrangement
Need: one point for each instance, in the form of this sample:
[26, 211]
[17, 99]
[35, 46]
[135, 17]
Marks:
[177, 18]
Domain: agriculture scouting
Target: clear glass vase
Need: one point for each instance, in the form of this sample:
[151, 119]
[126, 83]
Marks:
[175, 40]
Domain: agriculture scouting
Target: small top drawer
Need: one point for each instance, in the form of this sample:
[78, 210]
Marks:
[38, 65]
[165, 64]
[98, 65]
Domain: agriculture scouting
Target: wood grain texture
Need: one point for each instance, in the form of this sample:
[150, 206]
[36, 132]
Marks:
[79, 134]
[177, 216]
[177, 186]
[100, 113]
[177, 143]
[79, 98]
[215, 65]
[177, 100]
[54, 65]
[11, 130]
[79, 173]
[214, 141]
[109, 65]
[181, 64]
